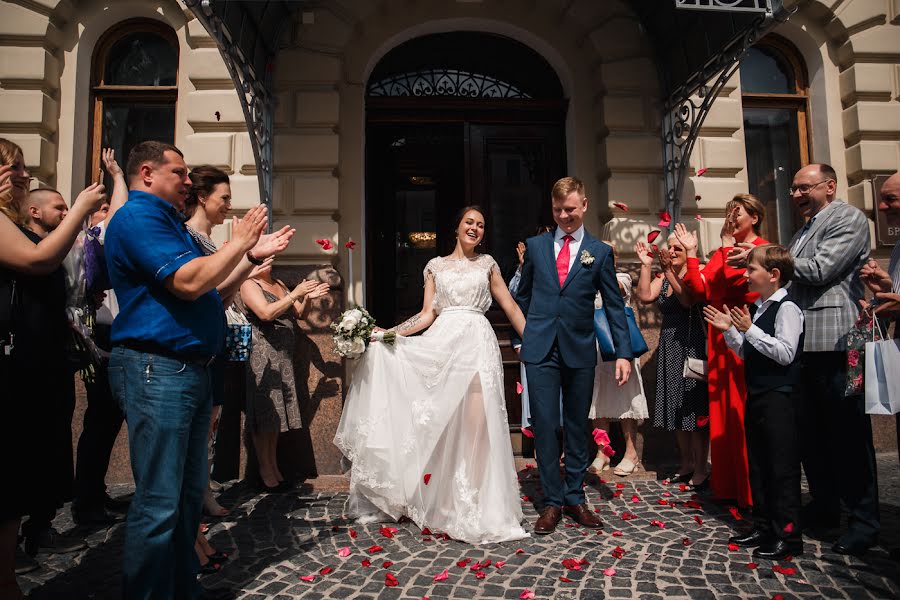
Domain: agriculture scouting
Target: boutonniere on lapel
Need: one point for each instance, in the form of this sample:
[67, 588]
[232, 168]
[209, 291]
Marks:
[587, 259]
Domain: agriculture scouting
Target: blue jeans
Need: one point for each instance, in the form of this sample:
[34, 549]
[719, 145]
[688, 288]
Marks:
[167, 409]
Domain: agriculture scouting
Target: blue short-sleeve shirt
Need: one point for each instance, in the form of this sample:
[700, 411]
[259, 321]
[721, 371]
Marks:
[146, 242]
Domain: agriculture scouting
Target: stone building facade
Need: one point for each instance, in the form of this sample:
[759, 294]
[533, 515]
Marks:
[841, 106]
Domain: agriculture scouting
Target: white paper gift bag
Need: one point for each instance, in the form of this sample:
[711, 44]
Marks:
[883, 377]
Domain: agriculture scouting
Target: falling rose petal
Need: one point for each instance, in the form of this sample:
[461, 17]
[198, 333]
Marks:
[621, 206]
[390, 580]
[350, 245]
[733, 547]
[608, 451]
[326, 244]
[526, 499]
[700, 172]
[789, 528]
[652, 236]
[374, 549]
[387, 564]
[480, 574]
[735, 513]
[366, 562]
[702, 421]
[519, 551]
[353, 534]
[326, 571]
[443, 575]
[686, 541]
[427, 478]
[519, 388]
[601, 437]
[752, 565]
[307, 578]
[663, 223]
[526, 595]
[698, 217]
[617, 534]
[698, 519]
[609, 571]
[344, 552]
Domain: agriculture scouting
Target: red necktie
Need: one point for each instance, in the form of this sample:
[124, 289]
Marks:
[562, 260]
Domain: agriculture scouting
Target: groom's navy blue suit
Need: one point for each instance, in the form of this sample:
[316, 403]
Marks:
[559, 351]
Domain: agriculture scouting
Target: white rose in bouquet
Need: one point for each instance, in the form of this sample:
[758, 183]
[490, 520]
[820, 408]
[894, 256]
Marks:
[352, 332]
[357, 347]
[347, 324]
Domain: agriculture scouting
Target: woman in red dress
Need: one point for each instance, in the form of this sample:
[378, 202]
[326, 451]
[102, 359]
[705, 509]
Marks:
[721, 284]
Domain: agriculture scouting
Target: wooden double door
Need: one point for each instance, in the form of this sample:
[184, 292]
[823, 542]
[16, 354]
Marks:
[421, 173]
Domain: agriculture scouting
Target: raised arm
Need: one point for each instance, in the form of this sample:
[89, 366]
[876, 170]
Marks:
[424, 318]
[648, 287]
[20, 254]
[197, 277]
[268, 245]
[119, 195]
[501, 294]
[301, 307]
[694, 281]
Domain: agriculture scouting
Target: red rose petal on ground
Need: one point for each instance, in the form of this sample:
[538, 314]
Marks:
[426, 531]
[621, 206]
[386, 564]
[326, 571]
[752, 565]
[499, 563]
[702, 421]
[733, 547]
[667, 494]
[698, 519]
[788, 558]
[652, 236]
[479, 574]
[387, 532]
[617, 534]
[789, 528]
[784, 570]
[627, 516]
[344, 552]
[519, 551]
[462, 563]
[442, 575]
[777, 597]
[374, 549]
[366, 562]
[353, 534]
[609, 571]
[620, 486]
[307, 578]
[427, 478]
[658, 523]
[686, 541]
[662, 502]
[565, 579]
[390, 580]
[618, 552]
[700, 172]
[635, 498]
[526, 595]
[682, 487]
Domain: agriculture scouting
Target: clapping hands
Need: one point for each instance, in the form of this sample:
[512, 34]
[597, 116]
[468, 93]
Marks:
[270, 244]
[247, 231]
[644, 254]
[687, 239]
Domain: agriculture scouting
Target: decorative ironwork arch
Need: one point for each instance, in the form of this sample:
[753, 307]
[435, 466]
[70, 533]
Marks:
[444, 82]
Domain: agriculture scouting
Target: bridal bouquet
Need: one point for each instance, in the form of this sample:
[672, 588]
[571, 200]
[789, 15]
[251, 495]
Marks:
[353, 331]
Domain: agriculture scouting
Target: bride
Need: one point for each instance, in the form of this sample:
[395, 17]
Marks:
[425, 424]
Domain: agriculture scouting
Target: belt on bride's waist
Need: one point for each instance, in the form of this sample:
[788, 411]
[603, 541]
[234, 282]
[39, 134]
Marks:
[469, 309]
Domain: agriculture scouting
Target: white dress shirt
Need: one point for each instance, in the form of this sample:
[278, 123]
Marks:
[782, 347]
[574, 245]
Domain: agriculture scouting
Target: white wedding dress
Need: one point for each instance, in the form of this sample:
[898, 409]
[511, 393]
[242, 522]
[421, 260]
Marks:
[425, 424]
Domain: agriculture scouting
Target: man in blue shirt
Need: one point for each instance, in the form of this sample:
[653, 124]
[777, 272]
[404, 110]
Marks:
[170, 325]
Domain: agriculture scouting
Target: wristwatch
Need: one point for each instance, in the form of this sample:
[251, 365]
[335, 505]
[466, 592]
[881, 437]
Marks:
[253, 260]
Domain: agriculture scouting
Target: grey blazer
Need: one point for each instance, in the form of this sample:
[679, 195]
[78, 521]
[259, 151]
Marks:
[826, 282]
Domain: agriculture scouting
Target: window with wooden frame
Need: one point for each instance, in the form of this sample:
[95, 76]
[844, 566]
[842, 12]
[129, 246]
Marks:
[775, 97]
[134, 89]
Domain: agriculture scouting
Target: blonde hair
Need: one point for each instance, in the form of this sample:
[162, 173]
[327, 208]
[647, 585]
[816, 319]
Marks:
[752, 205]
[566, 186]
[9, 151]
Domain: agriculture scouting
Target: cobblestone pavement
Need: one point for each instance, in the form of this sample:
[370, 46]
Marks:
[671, 547]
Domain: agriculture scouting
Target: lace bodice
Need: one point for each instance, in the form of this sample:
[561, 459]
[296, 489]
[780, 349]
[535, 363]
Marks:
[462, 283]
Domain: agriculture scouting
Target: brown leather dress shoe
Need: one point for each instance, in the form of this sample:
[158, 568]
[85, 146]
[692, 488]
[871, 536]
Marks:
[548, 520]
[582, 515]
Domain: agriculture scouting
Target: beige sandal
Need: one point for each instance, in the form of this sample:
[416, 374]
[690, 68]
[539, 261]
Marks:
[626, 468]
[601, 463]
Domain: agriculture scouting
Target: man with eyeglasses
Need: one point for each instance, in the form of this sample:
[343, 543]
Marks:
[836, 434]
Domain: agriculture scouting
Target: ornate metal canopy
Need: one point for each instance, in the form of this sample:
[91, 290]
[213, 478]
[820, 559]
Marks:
[698, 46]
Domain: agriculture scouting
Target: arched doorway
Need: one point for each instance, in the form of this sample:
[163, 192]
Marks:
[454, 119]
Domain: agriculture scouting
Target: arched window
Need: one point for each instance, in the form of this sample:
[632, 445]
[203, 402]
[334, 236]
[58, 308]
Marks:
[135, 89]
[776, 103]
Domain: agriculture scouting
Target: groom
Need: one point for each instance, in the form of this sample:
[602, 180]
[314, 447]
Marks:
[561, 275]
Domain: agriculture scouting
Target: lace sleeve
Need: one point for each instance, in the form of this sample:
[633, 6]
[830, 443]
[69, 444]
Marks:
[491, 266]
[431, 268]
